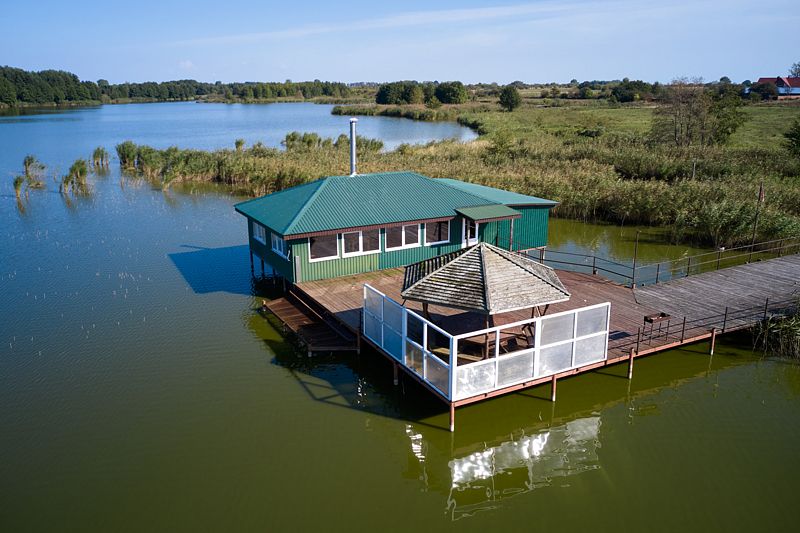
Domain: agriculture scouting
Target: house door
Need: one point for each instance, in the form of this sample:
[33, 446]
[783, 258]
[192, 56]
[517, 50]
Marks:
[469, 233]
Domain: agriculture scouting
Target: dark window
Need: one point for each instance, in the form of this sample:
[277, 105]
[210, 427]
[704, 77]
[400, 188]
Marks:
[352, 242]
[437, 232]
[371, 240]
[412, 234]
[394, 237]
[323, 247]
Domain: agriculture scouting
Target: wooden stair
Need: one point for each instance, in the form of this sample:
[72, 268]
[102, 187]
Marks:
[313, 330]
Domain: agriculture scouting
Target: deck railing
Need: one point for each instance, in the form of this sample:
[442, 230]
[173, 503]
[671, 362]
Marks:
[504, 355]
[647, 274]
[677, 330]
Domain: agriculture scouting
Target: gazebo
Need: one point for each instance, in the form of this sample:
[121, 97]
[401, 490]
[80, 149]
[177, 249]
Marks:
[484, 279]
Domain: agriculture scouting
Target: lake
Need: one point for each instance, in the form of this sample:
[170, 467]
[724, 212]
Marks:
[58, 137]
[139, 389]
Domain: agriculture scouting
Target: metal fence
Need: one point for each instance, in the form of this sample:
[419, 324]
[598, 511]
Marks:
[634, 274]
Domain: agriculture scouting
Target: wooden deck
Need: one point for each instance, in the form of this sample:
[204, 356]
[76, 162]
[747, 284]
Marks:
[310, 326]
[724, 300]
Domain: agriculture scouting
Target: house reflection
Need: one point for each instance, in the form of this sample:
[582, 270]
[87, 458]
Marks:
[481, 479]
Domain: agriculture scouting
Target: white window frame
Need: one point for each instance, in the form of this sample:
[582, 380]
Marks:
[283, 249]
[403, 232]
[465, 241]
[360, 244]
[259, 232]
[425, 234]
[328, 258]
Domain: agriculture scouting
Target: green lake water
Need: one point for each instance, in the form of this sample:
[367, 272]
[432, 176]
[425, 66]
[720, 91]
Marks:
[139, 391]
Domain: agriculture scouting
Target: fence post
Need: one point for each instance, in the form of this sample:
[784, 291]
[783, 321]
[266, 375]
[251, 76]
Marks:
[780, 248]
[635, 257]
[766, 308]
[719, 255]
[658, 270]
[594, 265]
[688, 265]
[683, 329]
[725, 320]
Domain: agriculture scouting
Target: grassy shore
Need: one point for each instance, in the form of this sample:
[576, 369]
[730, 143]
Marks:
[595, 159]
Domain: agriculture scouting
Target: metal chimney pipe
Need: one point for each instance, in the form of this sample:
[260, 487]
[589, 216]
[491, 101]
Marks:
[353, 146]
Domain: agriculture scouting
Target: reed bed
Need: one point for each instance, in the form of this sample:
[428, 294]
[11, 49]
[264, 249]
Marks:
[599, 165]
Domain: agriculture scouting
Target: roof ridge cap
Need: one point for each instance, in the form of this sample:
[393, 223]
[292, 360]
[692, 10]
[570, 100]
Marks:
[306, 204]
[486, 298]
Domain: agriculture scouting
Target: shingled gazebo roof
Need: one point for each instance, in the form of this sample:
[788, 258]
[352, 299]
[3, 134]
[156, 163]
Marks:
[483, 278]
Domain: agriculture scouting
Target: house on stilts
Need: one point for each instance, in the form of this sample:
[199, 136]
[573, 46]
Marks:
[446, 279]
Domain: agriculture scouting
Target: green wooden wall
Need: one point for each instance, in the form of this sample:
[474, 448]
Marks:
[530, 231]
[264, 251]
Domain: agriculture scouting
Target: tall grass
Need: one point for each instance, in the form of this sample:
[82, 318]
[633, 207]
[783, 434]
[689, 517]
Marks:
[779, 336]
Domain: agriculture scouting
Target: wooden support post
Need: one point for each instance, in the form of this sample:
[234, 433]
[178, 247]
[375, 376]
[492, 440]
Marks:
[719, 256]
[396, 377]
[683, 330]
[713, 340]
[638, 339]
[658, 271]
[594, 265]
[725, 320]
[553, 388]
[688, 265]
[766, 308]
[630, 365]
[452, 417]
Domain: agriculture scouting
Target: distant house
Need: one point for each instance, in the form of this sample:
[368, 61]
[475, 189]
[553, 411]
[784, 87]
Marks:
[788, 88]
[342, 225]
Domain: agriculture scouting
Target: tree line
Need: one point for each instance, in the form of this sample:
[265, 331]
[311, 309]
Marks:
[19, 86]
[414, 92]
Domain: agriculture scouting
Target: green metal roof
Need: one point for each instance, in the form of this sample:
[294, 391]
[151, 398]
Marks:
[498, 196]
[338, 202]
[488, 212]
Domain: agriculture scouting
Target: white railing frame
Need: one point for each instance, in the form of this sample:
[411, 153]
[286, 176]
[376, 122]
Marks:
[453, 366]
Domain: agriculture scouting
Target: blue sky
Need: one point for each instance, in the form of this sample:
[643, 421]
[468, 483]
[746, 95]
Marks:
[538, 41]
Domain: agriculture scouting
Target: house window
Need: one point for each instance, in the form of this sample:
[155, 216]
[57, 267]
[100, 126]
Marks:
[360, 242]
[470, 236]
[259, 233]
[437, 232]
[323, 247]
[280, 247]
[402, 237]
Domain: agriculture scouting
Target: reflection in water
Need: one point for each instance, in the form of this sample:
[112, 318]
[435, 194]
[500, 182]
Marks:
[479, 480]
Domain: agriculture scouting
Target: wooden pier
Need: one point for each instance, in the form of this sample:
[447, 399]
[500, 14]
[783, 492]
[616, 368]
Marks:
[643, 321]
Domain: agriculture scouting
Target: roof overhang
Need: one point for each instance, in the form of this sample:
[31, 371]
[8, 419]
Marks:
[488, 213]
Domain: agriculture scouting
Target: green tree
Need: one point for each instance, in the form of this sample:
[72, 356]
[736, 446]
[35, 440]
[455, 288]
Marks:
[792, 139]
[8, 93]
[767, 91]
[510, 98]
[690, 115]
[451, 92]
